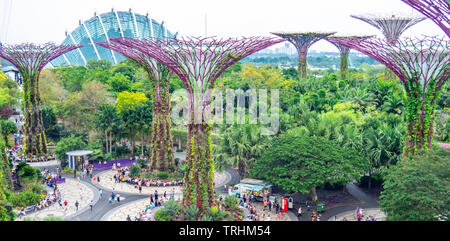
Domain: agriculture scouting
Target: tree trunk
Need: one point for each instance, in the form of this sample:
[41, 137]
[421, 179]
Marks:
[344, 64]
[35, 141]
[142, 143]
[199, 178]
[302, 65]
[110, 141]
[241, 168]
[313, 193]
[420, 118]
[369, 186]
[161, 146]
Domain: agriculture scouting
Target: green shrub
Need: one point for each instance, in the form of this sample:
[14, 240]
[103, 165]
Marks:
[231, 202]
[190, 213]
[163, 175]
[24, 199]
[216, 214]
[142, 163]
[67, 170]
[207, 218]
[171, 208]
[135, 170]
[161, 215]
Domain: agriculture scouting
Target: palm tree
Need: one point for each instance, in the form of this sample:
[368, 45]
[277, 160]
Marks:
[393, 104]
[239, 146]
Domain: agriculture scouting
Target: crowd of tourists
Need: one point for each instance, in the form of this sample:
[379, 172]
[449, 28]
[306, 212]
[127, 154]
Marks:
[156, 200]
[122, 175]
[48, 201]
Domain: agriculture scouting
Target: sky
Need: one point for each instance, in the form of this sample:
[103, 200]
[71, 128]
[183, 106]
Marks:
[47, 20]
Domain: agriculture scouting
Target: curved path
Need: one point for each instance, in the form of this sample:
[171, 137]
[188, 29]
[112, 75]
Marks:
[131, 200]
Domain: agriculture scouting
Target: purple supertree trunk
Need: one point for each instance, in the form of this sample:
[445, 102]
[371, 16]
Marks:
[30, 59]
[302, 41]
[344, 51]
[161, 143]
[436, 10]
[423, 67]
[199, 62]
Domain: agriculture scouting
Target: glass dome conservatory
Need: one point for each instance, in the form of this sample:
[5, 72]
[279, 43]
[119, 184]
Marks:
[101, 28]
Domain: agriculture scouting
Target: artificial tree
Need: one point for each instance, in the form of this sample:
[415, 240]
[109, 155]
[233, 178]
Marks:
[161, 143]
[302, 41]
[436, 10]
[199, 62]
[30, 59]
[344, 50]
[392, 26]
[422, 65]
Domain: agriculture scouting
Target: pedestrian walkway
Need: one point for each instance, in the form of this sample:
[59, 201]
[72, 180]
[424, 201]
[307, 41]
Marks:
[351, 215]
[133, 209]
[107, 182]
[70, 191]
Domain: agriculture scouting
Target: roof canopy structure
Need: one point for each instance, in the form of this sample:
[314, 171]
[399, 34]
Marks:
[79, 153]
[302, 41]
[392, 26]
[436, 10]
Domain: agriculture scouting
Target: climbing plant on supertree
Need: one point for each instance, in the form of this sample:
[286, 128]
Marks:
[199, 62]
[344, 50]
[161, 143]
[423, 67]
[302, 41]
[392, 26]
[436, 10]
[30, 59]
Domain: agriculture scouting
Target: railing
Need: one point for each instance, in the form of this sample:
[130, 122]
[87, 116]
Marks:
[106, 166]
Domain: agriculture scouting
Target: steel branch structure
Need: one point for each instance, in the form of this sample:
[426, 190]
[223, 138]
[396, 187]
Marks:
[302, 41]
[344, 50]
[436, 10]
[199, 62]
[392, 27]
[423, 66]
[161, 143]
[30, 59]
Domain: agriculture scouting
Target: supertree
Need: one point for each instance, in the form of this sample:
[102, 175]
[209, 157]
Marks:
[161, 156]
[392, 26]
[302, 41]
[30, 59]
[344, 50]
[199, 62]
[422, 65]
[436, 10]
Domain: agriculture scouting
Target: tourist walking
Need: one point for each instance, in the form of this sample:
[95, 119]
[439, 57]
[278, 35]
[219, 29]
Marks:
[299, 212]
[77, 204]
[91, 204]
[100, 194]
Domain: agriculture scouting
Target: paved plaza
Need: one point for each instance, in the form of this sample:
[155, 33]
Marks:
[351, 215]
[107, 182]
[133, 208]
[71, 191]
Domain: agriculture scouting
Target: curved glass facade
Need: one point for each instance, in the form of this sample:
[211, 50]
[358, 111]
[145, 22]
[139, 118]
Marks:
[103, 27]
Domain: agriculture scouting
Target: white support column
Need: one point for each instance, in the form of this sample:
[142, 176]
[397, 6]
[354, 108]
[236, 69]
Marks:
[151, 27]
[120, 25]
[107, 39]
[92, 41]
[79, 50]
[136, 26]
[68, 162]
[67, 60]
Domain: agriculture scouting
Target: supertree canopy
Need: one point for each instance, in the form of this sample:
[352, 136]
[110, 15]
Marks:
[302, 41]
[436, 10]
[161, 156]
[30, 59]
[392, 27]
[423, 67]
[199, 62]
[344, 50]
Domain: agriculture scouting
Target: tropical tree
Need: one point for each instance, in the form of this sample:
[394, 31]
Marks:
[239, 146]
[300, 163]
[417, 190]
